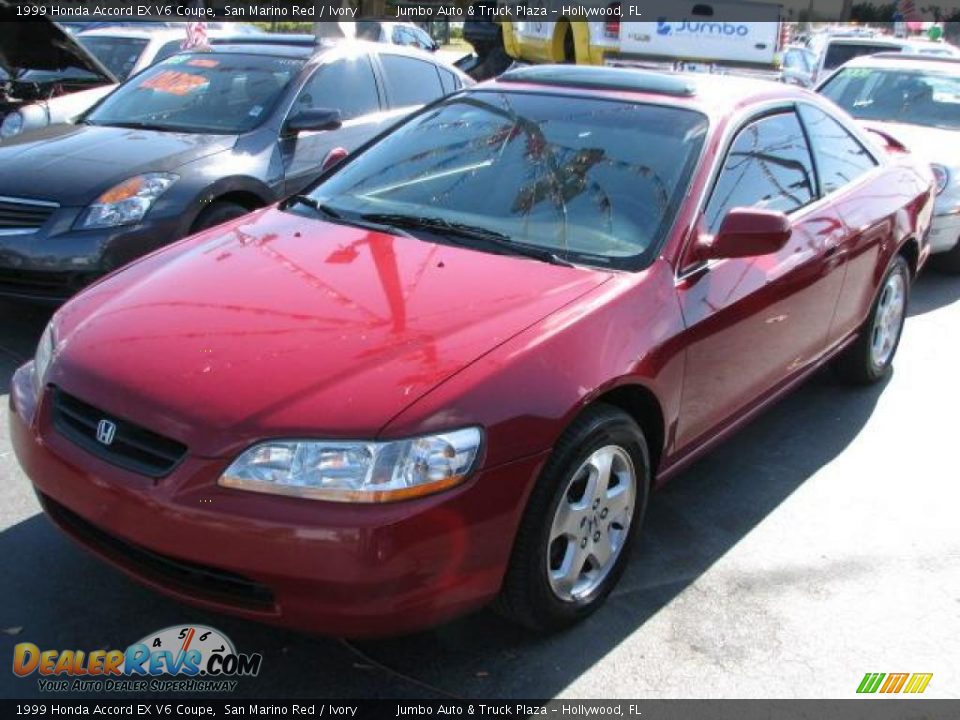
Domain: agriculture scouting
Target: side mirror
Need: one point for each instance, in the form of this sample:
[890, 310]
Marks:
[315, 119]
[747, 232]
[334, 157]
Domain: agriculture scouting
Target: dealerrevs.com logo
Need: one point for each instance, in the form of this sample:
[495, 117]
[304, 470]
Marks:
[893, 683]
[181, 658]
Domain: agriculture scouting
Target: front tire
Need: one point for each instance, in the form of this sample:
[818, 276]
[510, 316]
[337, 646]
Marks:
[217, 213]
[870, 357]
[580, 522]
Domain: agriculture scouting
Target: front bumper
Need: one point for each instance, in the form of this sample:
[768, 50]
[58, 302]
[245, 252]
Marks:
[328, 568]
[57, 261]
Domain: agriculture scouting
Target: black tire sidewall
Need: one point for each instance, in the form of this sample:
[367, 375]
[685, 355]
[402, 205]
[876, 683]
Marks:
[617, 430]
[216, 214]
[898, 265]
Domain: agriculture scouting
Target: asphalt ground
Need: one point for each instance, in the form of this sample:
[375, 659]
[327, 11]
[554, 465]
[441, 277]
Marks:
[819, 544]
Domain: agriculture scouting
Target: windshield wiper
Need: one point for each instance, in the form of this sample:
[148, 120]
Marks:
[484, 236]
[139, 126]
[337, 217]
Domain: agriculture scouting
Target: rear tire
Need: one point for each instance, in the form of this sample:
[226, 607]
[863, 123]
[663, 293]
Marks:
[870, 357]
[217, 213]
[580, 522]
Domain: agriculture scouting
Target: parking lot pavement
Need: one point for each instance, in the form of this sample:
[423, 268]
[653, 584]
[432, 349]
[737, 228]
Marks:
[819, 544]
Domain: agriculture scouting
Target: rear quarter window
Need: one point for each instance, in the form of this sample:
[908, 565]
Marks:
[410, 81]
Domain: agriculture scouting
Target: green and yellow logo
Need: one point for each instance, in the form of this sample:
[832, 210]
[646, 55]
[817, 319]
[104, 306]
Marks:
[894, 682]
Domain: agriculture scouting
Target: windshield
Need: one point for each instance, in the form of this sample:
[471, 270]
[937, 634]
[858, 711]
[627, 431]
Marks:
[904, 96]
[594, 181]
[200, 92]
[118, 54]
[840, 53]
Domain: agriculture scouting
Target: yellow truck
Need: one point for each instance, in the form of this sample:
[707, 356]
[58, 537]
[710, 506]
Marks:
[655, 33]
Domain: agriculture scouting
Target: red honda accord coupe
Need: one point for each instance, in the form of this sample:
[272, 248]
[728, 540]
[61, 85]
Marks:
[453, 370]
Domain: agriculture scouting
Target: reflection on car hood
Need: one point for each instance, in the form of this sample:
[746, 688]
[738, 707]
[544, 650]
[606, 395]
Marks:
[279, 326]
[42, 45]
[72, 164]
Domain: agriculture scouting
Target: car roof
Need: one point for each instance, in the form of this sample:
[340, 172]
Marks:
[711, 94]
[306, 46]
[866, 40]
[908, 60]
[249, 48]
[128, 31]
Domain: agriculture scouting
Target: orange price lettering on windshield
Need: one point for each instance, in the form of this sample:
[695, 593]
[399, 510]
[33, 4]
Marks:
[174, 82]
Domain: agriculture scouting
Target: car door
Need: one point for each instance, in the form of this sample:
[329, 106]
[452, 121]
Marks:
[753, 322]
[844, 166]
[347, 84]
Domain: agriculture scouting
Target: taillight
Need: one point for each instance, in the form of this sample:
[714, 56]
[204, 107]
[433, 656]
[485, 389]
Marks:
[611, 28]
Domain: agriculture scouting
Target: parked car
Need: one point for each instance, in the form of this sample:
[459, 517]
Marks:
[453, 369]
[124, 50]
[191, 142]
[915, 101]
[41, 62]
[396, 33]
[799, 66]
[839, 50]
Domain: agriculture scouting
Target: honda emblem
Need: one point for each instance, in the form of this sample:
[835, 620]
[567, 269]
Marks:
[106, 431]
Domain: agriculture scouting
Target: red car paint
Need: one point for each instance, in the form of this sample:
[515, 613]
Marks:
[246, 332]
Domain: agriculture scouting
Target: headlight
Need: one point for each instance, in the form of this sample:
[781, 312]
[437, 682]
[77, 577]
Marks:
[41, 361]
[127, 202]
[12, 125]
[360, 472]
[942, 176]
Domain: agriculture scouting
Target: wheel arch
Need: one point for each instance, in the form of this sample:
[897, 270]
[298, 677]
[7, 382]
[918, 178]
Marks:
[910, 251]
[246, 191]
[643, 405]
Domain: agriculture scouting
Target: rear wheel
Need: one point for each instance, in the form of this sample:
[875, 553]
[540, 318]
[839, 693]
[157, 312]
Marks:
[218, 213]
[580, 522]
[869, 358]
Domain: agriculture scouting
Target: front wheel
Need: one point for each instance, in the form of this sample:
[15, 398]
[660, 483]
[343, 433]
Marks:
[580, 522]
[218, 213]
[870, 357]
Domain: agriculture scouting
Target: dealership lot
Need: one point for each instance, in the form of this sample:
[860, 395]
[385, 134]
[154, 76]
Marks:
[817, 545]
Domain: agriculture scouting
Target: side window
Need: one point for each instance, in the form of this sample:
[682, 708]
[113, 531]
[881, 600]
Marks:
[840, 157]
[768, 166]
[347, 85]
[449, 81]
[411, 81]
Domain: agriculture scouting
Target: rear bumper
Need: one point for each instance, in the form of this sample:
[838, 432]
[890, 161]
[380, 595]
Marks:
[328, 568]
[945, 232]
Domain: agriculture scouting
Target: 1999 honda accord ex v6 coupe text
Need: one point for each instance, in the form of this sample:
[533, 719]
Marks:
[452, 371]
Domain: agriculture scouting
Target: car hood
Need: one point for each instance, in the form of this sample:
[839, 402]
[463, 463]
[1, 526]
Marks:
[928, 143]
[42, 45]
[72, 164]
[280, 326]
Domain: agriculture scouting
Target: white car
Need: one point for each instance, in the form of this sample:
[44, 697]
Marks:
[124, 51]
[914, 102]
[838, 50]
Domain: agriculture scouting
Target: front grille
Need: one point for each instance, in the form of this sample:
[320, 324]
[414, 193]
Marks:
[21, 214]
[199, 581]
[131, 446]
[53, 285]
